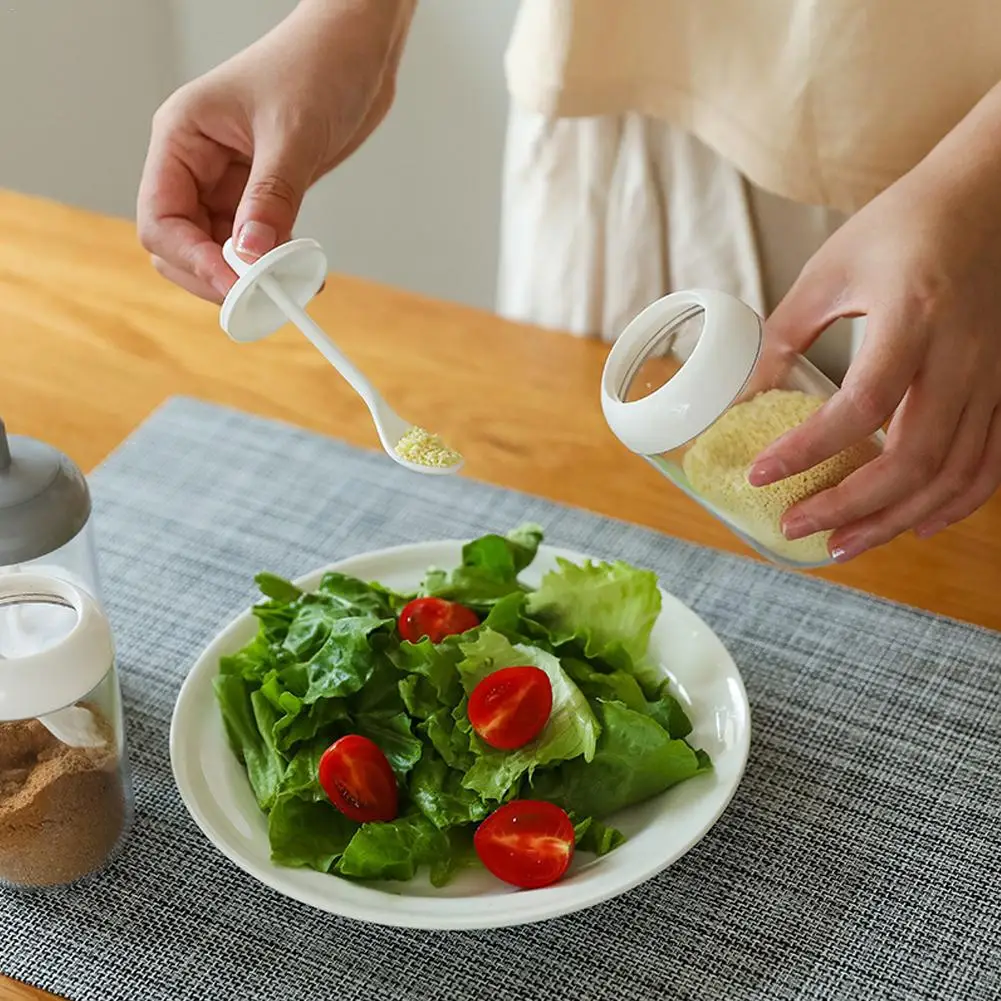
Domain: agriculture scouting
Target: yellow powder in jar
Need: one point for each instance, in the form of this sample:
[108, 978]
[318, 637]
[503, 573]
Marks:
[426, 449]
[718, 461]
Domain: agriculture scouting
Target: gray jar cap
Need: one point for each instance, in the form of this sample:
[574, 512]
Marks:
[44, 500]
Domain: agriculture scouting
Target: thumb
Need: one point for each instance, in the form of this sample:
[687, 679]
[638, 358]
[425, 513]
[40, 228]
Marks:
[814, 302]
[805, 311]
[279, 176]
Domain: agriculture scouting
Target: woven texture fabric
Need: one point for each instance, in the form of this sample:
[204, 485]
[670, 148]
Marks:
[860, 858]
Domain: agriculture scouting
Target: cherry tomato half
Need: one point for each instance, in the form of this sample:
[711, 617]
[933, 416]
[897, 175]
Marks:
[435, 618]
[358, 780]
[511, 706]
[527, 843]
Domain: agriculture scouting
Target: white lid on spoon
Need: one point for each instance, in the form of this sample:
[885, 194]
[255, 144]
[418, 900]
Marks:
[249, 313]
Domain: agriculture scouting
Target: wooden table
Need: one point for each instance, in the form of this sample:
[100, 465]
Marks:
[92, 340]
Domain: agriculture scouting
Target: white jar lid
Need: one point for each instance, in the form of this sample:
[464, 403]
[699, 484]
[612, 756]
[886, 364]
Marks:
[49, 675]
[704, 386]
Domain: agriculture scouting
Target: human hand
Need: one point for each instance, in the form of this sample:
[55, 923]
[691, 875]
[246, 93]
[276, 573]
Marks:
[921, 263]
[235, 151]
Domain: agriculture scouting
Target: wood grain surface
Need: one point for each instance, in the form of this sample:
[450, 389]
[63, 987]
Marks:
[92, 340]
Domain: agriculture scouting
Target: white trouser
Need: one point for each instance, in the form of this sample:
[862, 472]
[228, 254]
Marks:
[603, 215]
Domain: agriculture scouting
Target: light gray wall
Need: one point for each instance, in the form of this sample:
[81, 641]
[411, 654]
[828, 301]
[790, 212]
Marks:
[417, 207]
[79, 80]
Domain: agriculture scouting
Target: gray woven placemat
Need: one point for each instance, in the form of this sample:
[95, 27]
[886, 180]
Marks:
[861, 857]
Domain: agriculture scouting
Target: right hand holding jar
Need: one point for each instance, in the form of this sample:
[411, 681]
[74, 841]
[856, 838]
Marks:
[689, 386]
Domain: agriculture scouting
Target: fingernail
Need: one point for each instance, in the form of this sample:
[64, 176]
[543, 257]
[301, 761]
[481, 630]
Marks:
[765, 472]
[932, 528]
[255, 239]
[798, 527]
[847, 550]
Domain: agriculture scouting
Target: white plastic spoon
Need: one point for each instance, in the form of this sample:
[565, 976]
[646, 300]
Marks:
[273, 291]
[75, 726]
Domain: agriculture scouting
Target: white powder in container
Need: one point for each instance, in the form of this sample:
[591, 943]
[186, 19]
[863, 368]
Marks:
[718, 461]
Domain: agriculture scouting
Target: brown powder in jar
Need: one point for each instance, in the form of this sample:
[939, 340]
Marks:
[62, 809]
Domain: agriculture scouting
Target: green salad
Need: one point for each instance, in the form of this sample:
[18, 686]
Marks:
[476, 720]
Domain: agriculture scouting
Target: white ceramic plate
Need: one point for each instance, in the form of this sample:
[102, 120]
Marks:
[215, 790]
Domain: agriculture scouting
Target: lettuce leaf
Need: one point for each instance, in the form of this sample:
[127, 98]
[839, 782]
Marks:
[345, 661]
[609, 609]
[396, 850]
[619, 686]
[435, 663]
[257, 659]
[449, 739]
[597, 837]
[438, 792]
[670, 714]
[381, 693]
[572, 730]
[391, 731]
[308, 834]
[272, 586]
[249, 720]
[489, 570]
[300, 778]
[356, 597]
[636, 758]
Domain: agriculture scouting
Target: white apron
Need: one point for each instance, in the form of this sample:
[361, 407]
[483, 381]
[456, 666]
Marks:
[601, 216]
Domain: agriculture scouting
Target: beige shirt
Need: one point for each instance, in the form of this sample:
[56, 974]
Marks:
[822, 101]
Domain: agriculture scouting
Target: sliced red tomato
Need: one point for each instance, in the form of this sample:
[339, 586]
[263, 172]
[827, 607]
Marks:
[435, 618]
[527, 843]
[358, 780]
[511, 706]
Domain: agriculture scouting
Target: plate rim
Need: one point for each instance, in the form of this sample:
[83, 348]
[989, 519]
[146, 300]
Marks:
[544, 906]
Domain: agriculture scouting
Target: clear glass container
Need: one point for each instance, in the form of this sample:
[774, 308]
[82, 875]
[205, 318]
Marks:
[66, 801]
[691, 386]
[76, 562]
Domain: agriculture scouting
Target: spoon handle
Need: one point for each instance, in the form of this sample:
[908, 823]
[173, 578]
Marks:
[352, 375]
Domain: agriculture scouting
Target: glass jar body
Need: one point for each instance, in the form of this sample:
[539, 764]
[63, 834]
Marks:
[75, 562]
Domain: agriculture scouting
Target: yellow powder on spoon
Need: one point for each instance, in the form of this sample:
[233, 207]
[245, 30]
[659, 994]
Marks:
[426, 449]
[718, 461]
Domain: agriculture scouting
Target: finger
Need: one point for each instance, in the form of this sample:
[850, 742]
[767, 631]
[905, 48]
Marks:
[281, 171]
[222, 228]
[194, 252]
[925, 434]
[873, 388]
[979, 491]
[186, 281]
[808, 308]
[957, 474]
[167, 209]
[224, 196]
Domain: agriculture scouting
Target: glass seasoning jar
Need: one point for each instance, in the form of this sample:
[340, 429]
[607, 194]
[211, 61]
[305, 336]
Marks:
[65, 788]
[45, 507]
[691, 386]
